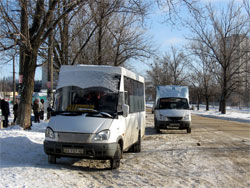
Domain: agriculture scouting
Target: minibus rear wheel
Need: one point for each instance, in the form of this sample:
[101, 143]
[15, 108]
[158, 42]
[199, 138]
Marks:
[115, 162]
[52, 159]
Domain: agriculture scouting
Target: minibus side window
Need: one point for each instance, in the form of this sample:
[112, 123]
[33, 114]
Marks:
[135, 95]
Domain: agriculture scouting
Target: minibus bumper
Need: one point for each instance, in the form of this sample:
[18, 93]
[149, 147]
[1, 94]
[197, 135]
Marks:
[173, 124]
[87, 150]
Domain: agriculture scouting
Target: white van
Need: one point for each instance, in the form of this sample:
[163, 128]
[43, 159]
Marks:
[171, 108]
[99, 112]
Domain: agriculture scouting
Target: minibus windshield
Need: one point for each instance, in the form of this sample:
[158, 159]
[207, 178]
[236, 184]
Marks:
[173, 103]
[72, 99]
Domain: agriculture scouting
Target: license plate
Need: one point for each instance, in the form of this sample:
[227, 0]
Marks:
[174, 124]
[73, 150]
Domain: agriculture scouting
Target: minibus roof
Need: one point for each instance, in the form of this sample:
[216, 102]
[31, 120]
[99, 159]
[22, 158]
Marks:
[90, 75]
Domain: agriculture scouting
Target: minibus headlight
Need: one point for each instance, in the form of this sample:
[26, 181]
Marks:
[163, 118]
[103, 135]
[186, 117]
[49, 133]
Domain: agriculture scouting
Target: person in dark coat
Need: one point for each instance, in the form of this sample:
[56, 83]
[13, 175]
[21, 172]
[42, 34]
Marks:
[42, 109]
[15, 110]
[5, 112]
[36, 110]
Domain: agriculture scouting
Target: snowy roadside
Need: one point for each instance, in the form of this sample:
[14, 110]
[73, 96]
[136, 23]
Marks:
[232, 114]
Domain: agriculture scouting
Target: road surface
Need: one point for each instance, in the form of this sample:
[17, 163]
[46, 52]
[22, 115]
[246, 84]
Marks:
[215, 154]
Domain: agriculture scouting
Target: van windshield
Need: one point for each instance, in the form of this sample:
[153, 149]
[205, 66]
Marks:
[173, 103]
[93, 99]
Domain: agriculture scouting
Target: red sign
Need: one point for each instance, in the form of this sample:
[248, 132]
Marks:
[49, 85]
[20, 79]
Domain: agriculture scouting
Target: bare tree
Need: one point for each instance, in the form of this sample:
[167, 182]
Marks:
[170, 70]
[118, 37]
[36, 24]
[104, 32]
[172, 9]
[246, 4]
[128, 41]
[222, 32]
[202, 67]
[196, 87]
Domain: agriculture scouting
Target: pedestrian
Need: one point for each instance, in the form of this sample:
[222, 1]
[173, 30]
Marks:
[36, 110]
[15, 110]
[42, 109]
[5, 112]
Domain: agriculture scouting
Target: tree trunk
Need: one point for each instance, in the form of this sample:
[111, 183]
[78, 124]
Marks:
[27, 89]
[198, 103]
[223, 105]
[224, 93]
[99, 60]
[22, 55]
[207, 103]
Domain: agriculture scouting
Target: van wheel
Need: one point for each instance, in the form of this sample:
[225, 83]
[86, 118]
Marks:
[156, 127]
[155, 124]
[189, 130]
[115, 162]
[52, 159]
[137, 145]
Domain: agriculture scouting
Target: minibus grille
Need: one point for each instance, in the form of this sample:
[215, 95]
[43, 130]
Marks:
[175, 118]
[74, 137]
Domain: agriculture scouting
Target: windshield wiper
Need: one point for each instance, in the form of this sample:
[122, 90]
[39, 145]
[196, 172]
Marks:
[98, 113]
[106, 114]
[67, 113]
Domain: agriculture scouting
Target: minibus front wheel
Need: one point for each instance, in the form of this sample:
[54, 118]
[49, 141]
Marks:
[115, 161]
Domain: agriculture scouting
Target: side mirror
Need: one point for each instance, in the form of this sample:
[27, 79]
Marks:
[125, 109]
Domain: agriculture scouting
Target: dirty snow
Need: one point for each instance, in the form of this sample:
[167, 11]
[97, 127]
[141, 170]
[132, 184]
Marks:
[204, 158]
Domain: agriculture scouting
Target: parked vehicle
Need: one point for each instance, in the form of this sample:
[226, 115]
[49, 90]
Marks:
[171, 108]
[99, 112]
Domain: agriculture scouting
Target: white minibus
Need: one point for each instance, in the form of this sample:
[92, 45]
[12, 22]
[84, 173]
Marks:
[98, 113]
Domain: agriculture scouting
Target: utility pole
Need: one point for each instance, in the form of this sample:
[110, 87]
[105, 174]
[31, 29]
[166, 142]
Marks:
[50, 74]
[14, 74]
[14, 80]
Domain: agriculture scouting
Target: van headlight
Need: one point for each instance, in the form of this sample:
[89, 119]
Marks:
[103, 135]
[163, 118]
[49, 133]
[186, 118]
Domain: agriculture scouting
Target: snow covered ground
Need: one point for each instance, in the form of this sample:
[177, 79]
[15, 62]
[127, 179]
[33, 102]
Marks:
[166, 160]
[232, 114]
